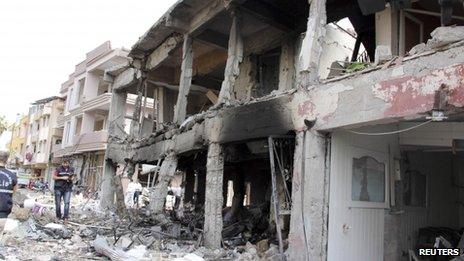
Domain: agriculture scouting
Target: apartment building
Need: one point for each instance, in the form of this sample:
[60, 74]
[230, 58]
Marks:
[17, 145]
[42, 136]
[85, 117]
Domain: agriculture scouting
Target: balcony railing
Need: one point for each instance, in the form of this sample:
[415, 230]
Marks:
[57, 132]
[60, 121]
[91, 141]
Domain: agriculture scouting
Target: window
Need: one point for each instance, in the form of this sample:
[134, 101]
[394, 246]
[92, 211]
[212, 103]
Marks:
[267, 75]
[415, 189]
[368, 180]
[67, 131]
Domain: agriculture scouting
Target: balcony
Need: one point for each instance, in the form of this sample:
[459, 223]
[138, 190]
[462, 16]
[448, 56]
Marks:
[60, 121]
[92, 141]
[41, 158]
[47, 110]
[57, 132]
[36, 116]
[58, 152]
[35, 158]
[35, 137]
[100, 102]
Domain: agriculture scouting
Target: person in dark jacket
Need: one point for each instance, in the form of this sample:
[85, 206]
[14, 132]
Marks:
[63, 177]
[8, 182]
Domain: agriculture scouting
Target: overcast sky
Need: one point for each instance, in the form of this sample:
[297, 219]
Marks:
[42, 41]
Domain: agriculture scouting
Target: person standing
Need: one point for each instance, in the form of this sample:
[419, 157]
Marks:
[63, 178]
[8, 185]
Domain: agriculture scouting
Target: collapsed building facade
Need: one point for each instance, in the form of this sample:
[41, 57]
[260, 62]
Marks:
[255, 113]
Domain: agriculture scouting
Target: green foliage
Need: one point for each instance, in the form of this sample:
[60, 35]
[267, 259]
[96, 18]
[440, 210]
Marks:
[356, 66]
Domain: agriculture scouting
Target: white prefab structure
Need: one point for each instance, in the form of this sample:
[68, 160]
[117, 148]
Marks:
[384, 189]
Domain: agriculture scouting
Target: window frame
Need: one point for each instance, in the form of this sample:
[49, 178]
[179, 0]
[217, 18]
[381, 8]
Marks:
[379, 157]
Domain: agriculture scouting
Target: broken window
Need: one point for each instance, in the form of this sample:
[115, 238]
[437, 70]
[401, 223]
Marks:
[368, 180]
[268, 72]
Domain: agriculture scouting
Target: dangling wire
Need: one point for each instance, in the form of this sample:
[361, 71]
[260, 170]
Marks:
[392, 132]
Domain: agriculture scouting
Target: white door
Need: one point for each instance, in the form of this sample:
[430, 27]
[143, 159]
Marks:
[358, 198]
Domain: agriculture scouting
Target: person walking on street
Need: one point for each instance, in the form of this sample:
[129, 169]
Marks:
[63, 177]
[8, 186]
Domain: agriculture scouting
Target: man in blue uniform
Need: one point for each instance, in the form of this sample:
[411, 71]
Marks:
[63, 177]
[8, 181]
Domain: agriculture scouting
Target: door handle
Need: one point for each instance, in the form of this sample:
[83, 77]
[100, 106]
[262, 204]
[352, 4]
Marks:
[345, 228]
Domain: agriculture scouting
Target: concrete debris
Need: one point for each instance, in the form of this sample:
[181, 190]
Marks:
[383, 53]
[442, 36]
[91, 234]
[420, 48]
[190, 257]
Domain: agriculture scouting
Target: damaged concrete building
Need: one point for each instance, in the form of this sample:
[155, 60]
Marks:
[343, 156]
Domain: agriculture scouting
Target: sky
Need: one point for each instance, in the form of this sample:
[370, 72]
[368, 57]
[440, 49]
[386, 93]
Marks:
[42, 41]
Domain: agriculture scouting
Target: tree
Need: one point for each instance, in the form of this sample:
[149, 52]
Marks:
[3, 125]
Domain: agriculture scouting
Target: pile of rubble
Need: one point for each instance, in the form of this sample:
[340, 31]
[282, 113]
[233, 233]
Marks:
[32, 233]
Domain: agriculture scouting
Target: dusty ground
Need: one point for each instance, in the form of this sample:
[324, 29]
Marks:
[35, 234]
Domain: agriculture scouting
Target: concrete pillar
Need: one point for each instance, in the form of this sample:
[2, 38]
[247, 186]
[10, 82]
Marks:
[234, 59]
[135, 123]
[116, 114]
[213, 199]
[311, 48]
[158, 196]
[180, 111]
[309, 220]
[287, 65]
[108, 189]
[115, 129]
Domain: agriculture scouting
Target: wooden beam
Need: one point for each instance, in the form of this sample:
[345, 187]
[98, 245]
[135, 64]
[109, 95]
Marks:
[211, 96]
[163, 51]
[234, 58]
[180, 110]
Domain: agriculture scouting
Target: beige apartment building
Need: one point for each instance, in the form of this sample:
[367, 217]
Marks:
[42, 136]
[17, 145]
[85, 117]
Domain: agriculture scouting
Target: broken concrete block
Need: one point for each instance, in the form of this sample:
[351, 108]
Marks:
[86, 232]
[382, 54]
[420, 48]
[442, 36]
[124, 242]
[76, 239]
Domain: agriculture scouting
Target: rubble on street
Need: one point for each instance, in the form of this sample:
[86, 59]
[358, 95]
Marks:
[33, 233]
